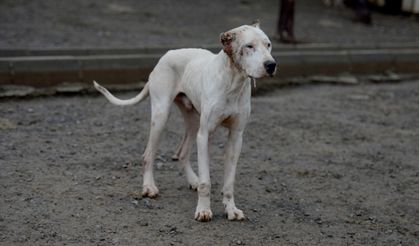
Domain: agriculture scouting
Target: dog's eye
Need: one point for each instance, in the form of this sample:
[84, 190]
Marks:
[269, 45]
[249, 46]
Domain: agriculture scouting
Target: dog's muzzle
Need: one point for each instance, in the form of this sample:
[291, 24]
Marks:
[270, 67]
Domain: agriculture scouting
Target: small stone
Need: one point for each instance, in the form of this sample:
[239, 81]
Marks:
[318, 221]
[70, 88]
[147, 203]
[6, 124]
[159, 165]
[358, 97]
[393, 77]
[162, 158]
[173, 230]
[16, 91]
[372, 219]
[347, 80]
[358, 213]
[239, 242]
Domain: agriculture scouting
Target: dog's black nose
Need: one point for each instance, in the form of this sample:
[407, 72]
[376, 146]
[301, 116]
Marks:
[270, 66]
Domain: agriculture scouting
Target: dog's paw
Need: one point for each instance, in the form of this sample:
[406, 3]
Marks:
[193, 180]
[193, 187]
[193, 184]
[234, 214]
[150, 191]
[175, 157]
[203, 215]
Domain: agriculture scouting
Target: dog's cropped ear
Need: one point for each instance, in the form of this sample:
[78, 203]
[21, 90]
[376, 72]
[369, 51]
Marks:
[256, 23]
[226, 39]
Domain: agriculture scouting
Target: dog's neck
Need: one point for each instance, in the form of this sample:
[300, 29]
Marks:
[236, 77]
[229, 54]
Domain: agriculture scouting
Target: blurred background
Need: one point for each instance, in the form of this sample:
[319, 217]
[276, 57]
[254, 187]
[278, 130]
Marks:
[148, 23]
[48, 42]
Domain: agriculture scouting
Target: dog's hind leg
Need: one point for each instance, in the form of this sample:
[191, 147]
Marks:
[191, 118]
[162, 94]
[159, 118]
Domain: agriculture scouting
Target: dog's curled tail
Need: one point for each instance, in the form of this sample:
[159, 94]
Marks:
[138, 98]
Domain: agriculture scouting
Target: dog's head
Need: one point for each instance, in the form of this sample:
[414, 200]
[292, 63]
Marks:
[250, 50]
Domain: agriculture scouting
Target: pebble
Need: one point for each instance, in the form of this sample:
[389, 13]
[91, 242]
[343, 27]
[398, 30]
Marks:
[347, 79]
[358, 213]
[6, 124]
[159, 165]
[239, 242]
[70, 88]
[147, 203]
[162, 158]
[359, 97]
[318, 221]
[173, 230]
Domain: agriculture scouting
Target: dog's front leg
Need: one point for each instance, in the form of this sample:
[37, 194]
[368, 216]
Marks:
[232, 153]
[203, 209]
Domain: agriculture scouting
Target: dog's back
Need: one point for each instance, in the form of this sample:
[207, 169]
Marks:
[177, 60]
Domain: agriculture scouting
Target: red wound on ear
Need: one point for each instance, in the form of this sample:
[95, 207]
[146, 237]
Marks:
[226, 39]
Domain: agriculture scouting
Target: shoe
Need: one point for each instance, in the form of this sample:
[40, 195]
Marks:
[287, 38]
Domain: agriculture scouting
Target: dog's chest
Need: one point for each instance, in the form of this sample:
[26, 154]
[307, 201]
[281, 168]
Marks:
[232, 106]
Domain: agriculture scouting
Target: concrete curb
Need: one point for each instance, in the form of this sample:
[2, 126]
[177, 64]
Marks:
[43, 68]
[214, 48]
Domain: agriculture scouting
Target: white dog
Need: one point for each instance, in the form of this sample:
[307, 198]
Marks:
[210, 90]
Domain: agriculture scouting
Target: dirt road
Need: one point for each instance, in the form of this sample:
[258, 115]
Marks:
[321, 165]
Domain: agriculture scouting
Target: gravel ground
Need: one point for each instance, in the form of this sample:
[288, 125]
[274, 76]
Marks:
[321, 165]
[147, 23]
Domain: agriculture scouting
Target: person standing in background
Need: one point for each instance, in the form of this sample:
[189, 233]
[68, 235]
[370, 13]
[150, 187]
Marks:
[285, 27]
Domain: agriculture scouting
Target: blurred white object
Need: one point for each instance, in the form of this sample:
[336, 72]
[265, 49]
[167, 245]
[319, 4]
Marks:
[411, 6]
